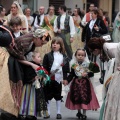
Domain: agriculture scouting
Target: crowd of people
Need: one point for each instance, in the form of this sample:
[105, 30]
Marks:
[40, 53]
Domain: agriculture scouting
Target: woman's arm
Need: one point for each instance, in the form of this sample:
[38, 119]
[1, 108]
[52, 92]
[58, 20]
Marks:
[34, 66]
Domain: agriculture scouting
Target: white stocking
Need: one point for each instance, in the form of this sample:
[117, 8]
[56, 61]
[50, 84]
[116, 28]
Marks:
[48, 106]
[58, 104]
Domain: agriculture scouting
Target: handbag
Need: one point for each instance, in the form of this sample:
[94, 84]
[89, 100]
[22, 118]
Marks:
[107, 37]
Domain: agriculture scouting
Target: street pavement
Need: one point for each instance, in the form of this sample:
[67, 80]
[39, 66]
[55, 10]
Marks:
[71, 114]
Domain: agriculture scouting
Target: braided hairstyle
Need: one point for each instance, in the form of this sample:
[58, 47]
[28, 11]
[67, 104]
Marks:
[96, 43]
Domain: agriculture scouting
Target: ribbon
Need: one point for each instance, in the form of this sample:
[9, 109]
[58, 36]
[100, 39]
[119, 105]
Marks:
[42, 72]
[77, 25]
[48, 23]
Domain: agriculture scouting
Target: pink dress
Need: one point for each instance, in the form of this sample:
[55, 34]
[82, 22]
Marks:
[93, 105]
[81, 95]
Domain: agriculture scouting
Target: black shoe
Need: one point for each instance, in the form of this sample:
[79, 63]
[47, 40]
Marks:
[46, 117]
[84, 117]
[79, 115]
[21, 117]
[7, 116]
[59, 116]
[30, 118]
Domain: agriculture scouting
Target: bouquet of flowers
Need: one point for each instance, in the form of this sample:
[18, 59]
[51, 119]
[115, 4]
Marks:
[42, 74]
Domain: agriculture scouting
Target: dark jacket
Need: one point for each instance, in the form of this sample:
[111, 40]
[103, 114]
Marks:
[29, 73]
[48, 61]
[87, 33]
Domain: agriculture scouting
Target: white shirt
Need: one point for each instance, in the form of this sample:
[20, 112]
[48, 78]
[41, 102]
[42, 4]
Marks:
[41, 21]
[58, 60]
[30, 20]
[84, 22]
[17, 34]
[62, 19]
[91, 25]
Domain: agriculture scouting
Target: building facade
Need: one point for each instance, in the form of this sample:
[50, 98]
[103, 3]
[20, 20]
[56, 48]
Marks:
[35, 4]
[111, 6]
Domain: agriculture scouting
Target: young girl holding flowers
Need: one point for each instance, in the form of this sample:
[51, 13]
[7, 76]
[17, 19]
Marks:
[81, 95]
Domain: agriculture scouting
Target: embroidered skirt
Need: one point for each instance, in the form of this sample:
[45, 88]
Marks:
[82, 103]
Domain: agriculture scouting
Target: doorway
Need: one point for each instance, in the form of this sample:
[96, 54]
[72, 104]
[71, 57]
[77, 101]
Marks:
[56, 4]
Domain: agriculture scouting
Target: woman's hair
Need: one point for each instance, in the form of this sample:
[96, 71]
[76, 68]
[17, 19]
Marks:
[58, 40]
[96, 43]
[96, 12]
[1, 8]
[26, 10]
[15, 21]
[81, 50]
[34, 53]
[15, 4]
[50, 7]
[63, 7]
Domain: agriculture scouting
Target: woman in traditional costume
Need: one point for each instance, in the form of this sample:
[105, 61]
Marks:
[116, 32]
[16, 10]
[108, 51]
[77, 43]
[48, 24]
[11, 74]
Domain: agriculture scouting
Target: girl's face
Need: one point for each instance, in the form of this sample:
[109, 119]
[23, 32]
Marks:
[37, 59]
[14, 9]
[80, 55]
[15, 28]
[56, 46]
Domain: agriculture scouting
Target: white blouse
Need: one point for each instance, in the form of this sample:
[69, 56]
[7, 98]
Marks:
[58, 60]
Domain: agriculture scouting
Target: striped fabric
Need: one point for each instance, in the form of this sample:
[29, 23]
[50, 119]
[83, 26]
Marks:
[28, 101]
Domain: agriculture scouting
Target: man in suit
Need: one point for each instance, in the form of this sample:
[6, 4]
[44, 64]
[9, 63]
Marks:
[39, 18]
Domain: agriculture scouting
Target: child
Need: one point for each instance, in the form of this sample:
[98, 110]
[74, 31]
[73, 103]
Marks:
[33, 102]
[15, 25]
[81, 95]
[52, 61]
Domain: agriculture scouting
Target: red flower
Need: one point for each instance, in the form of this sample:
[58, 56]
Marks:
[96, 64]
[62, 64]
[42, 68]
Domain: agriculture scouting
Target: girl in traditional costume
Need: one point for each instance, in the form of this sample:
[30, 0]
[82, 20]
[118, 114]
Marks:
[33, 102]
[81, 95]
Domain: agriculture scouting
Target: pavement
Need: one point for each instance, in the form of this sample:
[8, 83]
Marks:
[71, 114]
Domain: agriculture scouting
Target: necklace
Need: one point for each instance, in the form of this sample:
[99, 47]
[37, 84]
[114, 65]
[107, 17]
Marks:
[50, 17]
